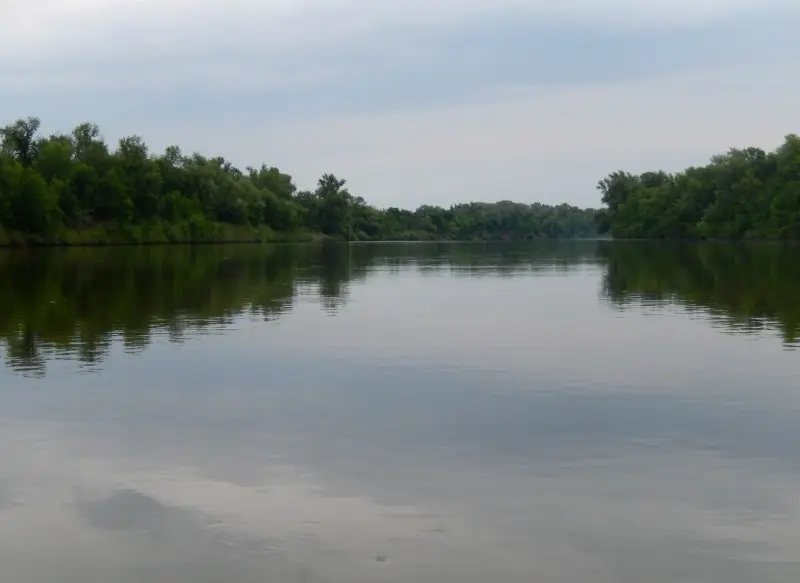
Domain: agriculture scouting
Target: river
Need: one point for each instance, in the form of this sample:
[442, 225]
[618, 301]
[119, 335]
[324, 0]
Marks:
[608, 412]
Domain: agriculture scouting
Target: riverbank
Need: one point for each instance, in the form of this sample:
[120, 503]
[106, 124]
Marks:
[156, 233]
[185, 233]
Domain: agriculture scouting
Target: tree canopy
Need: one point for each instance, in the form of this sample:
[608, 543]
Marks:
[74, 188]
[744, 194]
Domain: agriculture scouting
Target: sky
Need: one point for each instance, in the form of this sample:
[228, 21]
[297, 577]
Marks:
[415, 101]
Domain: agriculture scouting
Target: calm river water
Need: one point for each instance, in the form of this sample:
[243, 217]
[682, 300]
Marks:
[410, 413]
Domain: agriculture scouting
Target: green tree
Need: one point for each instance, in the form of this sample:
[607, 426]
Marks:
[74, 188]
[745, 193]
[19, 140]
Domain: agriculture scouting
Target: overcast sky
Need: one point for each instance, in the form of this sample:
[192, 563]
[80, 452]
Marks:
[416, 101]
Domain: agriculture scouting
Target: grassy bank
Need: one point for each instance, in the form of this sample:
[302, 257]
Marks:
[187, 233]
[154, 233]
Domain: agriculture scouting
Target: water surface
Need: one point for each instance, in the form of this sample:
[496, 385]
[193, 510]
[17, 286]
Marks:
[428, 413]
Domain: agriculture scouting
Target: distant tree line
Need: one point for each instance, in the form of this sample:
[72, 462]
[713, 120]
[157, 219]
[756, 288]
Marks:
[744, 194]
[73, 188]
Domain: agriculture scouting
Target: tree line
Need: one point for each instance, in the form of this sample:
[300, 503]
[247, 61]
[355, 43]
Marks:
[74, 188]
[744, 194]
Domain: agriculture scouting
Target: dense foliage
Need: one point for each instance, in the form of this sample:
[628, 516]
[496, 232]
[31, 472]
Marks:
[74, 189]
[742, 194]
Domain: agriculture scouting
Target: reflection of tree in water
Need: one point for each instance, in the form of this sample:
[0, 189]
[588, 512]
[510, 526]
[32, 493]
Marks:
[78, 303]
[745, 287]
[22, 354]
[334, 273]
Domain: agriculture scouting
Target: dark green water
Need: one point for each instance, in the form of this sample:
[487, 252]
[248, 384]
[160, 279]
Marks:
[422, 413]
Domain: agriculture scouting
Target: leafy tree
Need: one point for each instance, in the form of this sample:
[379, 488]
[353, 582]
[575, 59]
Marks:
[73, 187]
[19, 139]
[742, 194]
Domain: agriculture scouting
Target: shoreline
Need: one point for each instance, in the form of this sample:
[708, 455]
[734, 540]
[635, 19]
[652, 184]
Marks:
[266, 238]
[16, 242]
